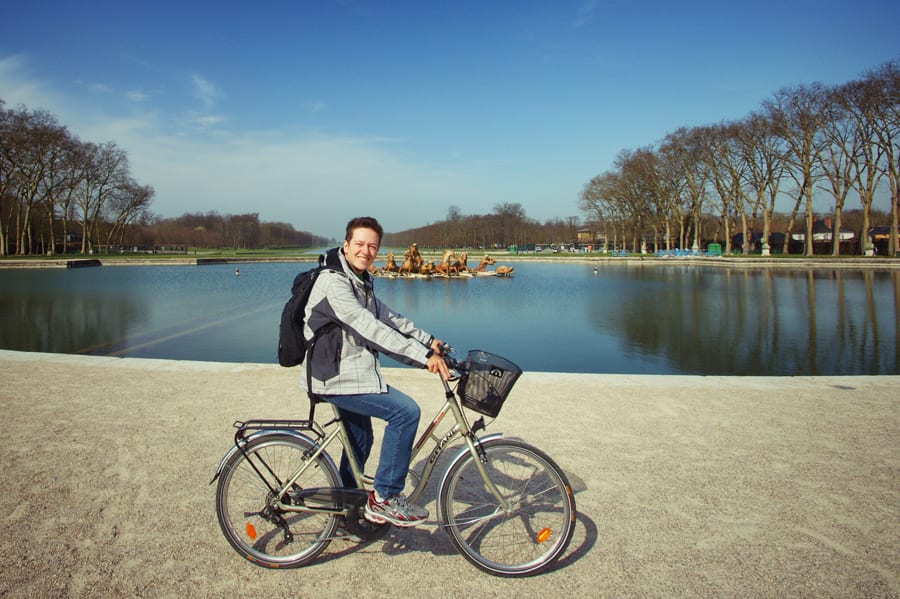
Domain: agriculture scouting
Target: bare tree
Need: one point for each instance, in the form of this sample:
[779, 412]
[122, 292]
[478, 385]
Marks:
[797, 115]
[724, 160]
[127, 204]
[885, 85]
[58, 187]
[840, 145]
[32, 148]
[853, 157]
[73, 154]
[104, 169]
[667, 201]
[653, 191]
[7, 171]
[602, 199]
[457, 232]
[509, 224]
[683, 150]
[763, 156]
[639, 187]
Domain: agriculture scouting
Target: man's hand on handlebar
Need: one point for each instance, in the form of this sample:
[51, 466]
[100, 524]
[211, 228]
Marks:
[436, 363]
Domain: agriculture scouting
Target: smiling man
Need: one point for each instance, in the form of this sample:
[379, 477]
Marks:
[343, 367]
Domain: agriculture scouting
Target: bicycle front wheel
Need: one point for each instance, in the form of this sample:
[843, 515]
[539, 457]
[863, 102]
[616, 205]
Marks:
[249, 515]
[533, 533]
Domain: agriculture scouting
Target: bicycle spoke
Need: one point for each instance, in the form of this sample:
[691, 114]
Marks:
[255, 524]
[532, 534]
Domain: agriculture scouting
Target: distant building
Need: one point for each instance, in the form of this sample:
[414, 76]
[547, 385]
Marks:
[776, 241]
[881, 238]
[823, 231]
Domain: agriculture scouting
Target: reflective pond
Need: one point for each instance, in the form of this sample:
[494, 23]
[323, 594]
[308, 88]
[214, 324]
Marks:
[627, 317]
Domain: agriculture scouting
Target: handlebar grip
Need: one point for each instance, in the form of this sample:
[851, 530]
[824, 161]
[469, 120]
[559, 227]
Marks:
[452, 363]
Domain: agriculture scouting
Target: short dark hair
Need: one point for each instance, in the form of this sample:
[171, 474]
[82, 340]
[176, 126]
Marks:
[363, 222]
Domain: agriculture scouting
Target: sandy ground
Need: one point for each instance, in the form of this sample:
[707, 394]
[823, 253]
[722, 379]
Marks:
[686, 486]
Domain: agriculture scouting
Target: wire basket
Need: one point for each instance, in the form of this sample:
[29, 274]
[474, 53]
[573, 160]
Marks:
[486, 382]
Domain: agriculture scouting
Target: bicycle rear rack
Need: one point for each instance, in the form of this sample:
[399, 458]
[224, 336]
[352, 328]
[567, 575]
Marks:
[246, 429]
[250, 426]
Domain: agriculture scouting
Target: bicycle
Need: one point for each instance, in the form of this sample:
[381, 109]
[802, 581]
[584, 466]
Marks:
[505, 504]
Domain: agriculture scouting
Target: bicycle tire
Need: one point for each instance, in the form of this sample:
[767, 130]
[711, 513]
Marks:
[533, 535]
[251, 521]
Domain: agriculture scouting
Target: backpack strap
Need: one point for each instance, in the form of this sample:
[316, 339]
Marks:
[313, 398]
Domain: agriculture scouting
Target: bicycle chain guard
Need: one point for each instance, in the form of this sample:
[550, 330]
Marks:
[335, 497]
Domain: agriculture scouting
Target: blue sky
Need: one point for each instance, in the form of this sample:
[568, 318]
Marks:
[314, 112]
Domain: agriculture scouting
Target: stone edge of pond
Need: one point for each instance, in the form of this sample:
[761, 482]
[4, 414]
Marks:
[724, 261]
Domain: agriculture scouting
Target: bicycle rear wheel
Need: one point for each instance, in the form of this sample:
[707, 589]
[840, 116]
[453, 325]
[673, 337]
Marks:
[250, 517]
[537, 529]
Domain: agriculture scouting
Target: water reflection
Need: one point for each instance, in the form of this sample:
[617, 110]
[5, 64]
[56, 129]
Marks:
[64, 323]
[625, 318]
[759, 321]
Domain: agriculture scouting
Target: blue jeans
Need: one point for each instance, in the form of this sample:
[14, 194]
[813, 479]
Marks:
[402, 416]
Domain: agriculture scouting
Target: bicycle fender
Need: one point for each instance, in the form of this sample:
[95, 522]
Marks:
[464, 452]
[265, 433]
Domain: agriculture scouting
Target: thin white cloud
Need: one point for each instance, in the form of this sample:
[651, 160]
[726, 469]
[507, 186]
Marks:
[136, 95]
[205, 91]
[18, 88]
[203, 121]
[585, 13]
[100, 88]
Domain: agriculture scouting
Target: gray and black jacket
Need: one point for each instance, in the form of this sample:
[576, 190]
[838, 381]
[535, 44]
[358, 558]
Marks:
[344, 359]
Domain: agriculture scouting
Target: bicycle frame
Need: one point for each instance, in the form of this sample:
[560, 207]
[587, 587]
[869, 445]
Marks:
[462, 429]
[322, 440]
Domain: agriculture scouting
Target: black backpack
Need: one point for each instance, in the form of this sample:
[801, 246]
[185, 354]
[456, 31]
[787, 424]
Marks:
[292, 347]
[291, 344]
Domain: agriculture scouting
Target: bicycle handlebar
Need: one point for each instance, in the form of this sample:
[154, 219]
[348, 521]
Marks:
[452, 363]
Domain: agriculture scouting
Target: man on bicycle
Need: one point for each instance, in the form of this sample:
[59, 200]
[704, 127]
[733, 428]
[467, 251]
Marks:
[343, 367]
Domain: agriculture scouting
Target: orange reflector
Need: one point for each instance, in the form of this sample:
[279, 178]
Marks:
[543, 535]
[251, 531]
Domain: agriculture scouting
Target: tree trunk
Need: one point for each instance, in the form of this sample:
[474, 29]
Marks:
[865, 232]
[893, 238]
[836, 231]
[745, 231]
[809, 227]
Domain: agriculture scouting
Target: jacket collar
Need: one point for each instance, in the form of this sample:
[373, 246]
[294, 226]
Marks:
[335, 260]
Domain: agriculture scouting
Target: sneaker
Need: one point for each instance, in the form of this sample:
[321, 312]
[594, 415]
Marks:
[396, 509]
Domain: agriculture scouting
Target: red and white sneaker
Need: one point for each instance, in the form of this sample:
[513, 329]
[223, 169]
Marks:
[396, 510]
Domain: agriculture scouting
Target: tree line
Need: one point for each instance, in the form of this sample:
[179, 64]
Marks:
[234, 231]
[507, 225]
[60, 194]
[838, 141]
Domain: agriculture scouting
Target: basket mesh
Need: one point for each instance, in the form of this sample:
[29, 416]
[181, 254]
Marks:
[487, 382]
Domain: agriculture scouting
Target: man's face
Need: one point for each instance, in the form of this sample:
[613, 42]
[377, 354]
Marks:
[362, 249]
